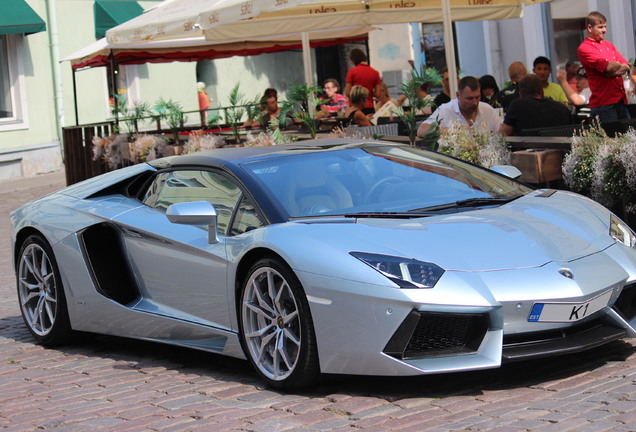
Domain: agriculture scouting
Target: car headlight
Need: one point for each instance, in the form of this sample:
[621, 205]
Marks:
[405, 272]
[621, 232]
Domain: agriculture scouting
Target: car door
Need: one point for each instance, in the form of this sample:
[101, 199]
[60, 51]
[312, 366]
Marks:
[179, 273]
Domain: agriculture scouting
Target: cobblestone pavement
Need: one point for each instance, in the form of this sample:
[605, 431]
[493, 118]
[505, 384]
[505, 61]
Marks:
[108, 383]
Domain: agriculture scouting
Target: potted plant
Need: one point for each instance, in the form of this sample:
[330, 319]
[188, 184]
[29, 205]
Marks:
[479, 148]
[235, 111]
[409, 89]
[300, 98]
[172, 113]
[603, 168]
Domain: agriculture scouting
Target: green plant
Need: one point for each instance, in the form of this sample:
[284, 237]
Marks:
[172, 113]
[409, 88]
[253, 110]
[235, 111]
[299, 100]
[130, 116]
[214, 118]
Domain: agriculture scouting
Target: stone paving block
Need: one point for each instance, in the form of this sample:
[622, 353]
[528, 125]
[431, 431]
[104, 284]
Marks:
[185, 401]
[621, 406]
[599, 426]
[332, 425]
[428, 410]
[265, 416]
[630, 426]
[474, 422]
[103, 422]
[351, 406]
[171, 423]
[414, 402]
[421, 420]
[628, 417]
[509, 428]
[299, 407]
[337, 397]
[382, 410]
[372, 429]
[142, 422]
[275, 424]
[233, 392]
[424, 425]
[370, 421]
[315, 417]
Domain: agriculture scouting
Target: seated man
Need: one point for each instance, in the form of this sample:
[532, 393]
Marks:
[332, 103]
[466, 110]
[543, 68]
[516, 71]
[531, 110]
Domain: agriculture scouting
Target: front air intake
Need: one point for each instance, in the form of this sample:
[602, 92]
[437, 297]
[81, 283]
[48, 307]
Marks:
[433, 334]
[626, 302]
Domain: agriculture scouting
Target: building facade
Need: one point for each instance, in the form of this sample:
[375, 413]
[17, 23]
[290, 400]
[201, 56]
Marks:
[41, 94]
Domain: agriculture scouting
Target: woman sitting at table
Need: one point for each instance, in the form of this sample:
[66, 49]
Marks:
[383, 97]
[357, 101]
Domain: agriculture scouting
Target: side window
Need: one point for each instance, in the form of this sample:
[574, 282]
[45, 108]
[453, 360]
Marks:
[246, 218]
[193, 185]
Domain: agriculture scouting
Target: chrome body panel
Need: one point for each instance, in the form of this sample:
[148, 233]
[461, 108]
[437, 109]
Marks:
[498, 261]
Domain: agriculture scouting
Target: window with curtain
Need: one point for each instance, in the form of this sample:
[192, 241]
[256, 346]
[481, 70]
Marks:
[6, 95]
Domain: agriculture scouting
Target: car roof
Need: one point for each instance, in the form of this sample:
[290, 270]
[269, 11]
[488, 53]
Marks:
[235, 155]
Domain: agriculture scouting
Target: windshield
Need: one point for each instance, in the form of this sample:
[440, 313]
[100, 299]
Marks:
[375, 179]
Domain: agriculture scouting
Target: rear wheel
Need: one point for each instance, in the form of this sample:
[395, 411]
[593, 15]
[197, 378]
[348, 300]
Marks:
[41, 294]
[276, 326]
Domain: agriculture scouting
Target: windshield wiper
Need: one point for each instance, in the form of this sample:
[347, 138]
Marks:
[389, 215]
[470, 202]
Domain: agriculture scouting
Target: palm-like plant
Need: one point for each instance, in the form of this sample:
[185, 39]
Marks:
[299, 100]
[172, 113]
[253, 110]
[235, 111]
[409, 88]
[131, 116]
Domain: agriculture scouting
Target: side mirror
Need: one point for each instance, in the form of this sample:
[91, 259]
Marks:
[195, 213]
[507, 170]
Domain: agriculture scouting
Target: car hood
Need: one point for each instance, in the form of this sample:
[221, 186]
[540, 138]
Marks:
[528, 232]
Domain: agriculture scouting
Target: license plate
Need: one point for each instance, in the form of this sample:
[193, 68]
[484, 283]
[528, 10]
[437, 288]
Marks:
[568, 312]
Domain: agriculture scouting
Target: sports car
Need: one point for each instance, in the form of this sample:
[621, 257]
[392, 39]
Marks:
[328, 256]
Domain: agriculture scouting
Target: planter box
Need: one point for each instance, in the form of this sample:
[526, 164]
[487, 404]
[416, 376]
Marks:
[538, 166]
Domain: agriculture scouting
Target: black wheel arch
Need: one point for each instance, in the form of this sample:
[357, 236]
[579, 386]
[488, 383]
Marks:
[246, 263]
[20, 237]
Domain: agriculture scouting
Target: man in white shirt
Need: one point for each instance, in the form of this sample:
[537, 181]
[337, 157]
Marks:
[467, 110]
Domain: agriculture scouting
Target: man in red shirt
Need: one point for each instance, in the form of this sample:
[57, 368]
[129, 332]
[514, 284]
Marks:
[605, 68]
[364, 75]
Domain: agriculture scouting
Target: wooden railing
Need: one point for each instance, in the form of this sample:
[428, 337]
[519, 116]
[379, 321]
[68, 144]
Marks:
[78, 151]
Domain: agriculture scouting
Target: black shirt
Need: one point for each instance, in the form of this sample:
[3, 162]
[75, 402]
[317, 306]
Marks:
[506, 96]
[441, 98]
[530, 113]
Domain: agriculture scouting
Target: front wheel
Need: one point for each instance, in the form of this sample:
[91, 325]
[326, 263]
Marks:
[41, 294]
[276, 326]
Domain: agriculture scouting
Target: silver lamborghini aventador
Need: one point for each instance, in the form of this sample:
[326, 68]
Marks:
[328, 256]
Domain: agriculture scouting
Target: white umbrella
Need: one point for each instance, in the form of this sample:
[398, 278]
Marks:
[181, 18]
[254, 18]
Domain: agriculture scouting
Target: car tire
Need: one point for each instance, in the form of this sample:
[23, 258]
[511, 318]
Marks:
[277, 331]
[41, 293]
